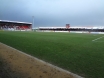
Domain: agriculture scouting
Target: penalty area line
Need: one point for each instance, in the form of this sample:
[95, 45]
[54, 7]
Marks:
[98, 38]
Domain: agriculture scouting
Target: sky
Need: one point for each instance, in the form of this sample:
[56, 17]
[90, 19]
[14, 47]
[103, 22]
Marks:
[54, 12]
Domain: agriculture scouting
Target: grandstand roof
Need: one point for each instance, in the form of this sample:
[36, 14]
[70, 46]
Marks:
[7, 21]
[74, 27]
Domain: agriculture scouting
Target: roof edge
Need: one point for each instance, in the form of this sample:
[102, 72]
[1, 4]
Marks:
[15, 21]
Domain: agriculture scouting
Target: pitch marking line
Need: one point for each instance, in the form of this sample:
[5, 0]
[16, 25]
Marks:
[98, 38]
[99, 41]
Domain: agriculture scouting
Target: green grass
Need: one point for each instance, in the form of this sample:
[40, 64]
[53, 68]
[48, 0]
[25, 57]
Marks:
[74, 52]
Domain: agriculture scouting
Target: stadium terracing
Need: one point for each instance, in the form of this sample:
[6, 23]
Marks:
[74, 29]
[26, 26]
[15, 25]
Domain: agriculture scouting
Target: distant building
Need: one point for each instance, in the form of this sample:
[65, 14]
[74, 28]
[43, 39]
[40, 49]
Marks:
[67, 25]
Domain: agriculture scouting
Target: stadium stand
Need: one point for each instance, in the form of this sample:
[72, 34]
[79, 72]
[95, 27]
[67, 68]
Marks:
[14, 25]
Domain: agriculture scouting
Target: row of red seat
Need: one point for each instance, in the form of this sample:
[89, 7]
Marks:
[17, 27]
[24, 27]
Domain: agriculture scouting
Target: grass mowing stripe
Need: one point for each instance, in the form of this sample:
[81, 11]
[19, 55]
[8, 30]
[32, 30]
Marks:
[74, 52]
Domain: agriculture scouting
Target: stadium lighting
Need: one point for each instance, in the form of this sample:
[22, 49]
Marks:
[32, 22]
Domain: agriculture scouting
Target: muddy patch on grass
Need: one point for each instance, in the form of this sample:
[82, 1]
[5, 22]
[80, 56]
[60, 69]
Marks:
[19, 65]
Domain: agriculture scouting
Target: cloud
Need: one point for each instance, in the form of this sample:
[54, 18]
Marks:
[54, 12]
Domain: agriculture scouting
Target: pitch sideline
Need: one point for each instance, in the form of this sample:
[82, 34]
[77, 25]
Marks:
[58, 68]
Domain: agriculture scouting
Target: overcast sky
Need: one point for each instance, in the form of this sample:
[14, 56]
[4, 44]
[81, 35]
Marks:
[54, 12]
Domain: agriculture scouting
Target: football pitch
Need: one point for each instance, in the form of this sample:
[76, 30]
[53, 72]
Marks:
[82, 54]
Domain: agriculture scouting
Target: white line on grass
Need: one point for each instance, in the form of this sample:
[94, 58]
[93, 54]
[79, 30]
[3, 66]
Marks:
[98, 38]
[99, 41]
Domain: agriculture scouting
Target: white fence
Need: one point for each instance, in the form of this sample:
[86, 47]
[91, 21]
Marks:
[71, 31]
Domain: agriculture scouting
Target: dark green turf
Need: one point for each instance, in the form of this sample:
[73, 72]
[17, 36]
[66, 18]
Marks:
[74, 52]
